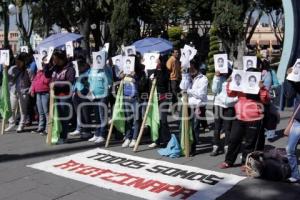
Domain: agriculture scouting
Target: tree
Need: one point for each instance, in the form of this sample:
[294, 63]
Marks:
[214, 48]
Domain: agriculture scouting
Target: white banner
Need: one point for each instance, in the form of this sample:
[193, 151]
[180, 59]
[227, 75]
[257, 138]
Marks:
[141, 177]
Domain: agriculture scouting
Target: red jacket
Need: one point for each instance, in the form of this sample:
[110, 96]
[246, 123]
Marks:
[248, 109]
[40, 83]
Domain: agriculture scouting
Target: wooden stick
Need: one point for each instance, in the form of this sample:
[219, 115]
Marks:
[3, 127]
[112, 124]
[51, 113]
[145, 116]
[186, 124]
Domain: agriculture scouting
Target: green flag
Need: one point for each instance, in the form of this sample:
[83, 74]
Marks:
[153, 119]
[56, 126]
[5, 107]
[183, 130]
[118, 116]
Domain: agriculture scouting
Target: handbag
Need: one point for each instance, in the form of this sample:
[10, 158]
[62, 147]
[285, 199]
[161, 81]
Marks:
[289, 126]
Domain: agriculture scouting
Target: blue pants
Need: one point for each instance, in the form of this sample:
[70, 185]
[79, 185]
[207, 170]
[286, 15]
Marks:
[293, 140]
[101, 111]
[42, 103]
[132, 118]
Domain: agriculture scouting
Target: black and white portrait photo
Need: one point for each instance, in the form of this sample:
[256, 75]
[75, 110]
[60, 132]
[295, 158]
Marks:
[252, 82]
[118, 64]
[249, 62]
[24, 49]
[295, 75]
[99, 59]
[130, 50]
[221, 63]
[70, 49]
[237, 80]
[5, 57]
[150, 60]
[128, 66]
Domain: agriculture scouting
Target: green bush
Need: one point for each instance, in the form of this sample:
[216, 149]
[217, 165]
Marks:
[213, 48]
[175, 33]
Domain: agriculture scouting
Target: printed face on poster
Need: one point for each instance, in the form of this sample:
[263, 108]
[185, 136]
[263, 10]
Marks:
[128, 66]
[130, 50]
[150, 60]
[24, 49]
[246, 82]
[4, 57]
[75, 65]
[118, 63]
[43, 52]
[99, 59]
[249, 62]
[38, 61]
[221, 63]
[295, 75]
[70, 49]
[49, 54]
[189, 52]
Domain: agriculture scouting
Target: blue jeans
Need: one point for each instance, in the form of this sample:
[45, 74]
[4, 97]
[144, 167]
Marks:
[42, 103]
[293, 140]
[101, 111]
[132, 118]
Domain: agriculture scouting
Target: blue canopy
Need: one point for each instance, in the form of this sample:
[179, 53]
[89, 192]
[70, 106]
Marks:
[58, 40]
[151, 44]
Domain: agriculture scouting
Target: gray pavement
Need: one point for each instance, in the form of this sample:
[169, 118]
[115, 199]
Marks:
[20, 182]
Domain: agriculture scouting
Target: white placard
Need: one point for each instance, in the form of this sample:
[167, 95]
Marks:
[49, 54]
[130, 50]
[252, 82]
[221, 63]
[99, 59]
[189, 52]
[106, 47]
[43, 52]
[246, 82]
[75, 65]
[150, 60]
[4, 57]
[141, 177]
[38, 61]
[237, 81]
[118, 63]
[24, 49]
[70, 49]
[295, 74]
[128, 64]
[249, 62]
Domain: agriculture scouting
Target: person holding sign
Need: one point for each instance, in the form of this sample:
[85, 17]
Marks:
[223, 111]
[100, 82]
[135, 85]
[247, 127]
[62, 74]
[19, 83]
[40, 88]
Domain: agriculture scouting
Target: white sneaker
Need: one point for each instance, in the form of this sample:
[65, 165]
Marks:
[100, 140]
[132, 144]
[10, 127]
[126, 143]
[93, 139]
[74, 133]
[20, 129]
[153, 145]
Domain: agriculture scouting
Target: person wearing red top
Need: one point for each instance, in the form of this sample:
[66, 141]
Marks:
[247, 128]
[40, 87]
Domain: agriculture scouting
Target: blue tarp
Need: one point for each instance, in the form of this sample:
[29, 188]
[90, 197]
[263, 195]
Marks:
[58, 40]
[151, 44]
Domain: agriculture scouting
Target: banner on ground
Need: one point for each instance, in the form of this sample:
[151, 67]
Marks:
[141, 177]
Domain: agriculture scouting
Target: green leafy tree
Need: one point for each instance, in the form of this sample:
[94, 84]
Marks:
[214, 48]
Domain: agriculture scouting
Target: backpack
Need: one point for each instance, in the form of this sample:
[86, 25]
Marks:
[272, 165]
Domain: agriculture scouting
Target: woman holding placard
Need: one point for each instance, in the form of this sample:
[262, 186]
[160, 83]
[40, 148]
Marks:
[247, 127]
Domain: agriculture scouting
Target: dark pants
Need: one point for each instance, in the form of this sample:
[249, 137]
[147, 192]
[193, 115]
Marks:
[132, 123]
[245, 136]
[65, 112]
[164, 130]
[223, 121]
[199, 120]
[84, 117]
[174, 90]
[102, 119]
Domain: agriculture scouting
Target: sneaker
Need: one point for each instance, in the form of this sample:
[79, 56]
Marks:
[60, 142]
[215, 151]
[224, 165]
[10, 127]
[93, 139]
[74, 133]
[292, 180]
[132, 144]
[38, 131]
[153, 145]
[100, 140]
[126, 143]
[20, 129]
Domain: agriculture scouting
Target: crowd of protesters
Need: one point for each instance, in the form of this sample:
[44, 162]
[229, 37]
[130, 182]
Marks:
[242, 121]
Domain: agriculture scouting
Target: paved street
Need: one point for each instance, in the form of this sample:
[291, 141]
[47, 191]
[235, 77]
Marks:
[20, 182]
